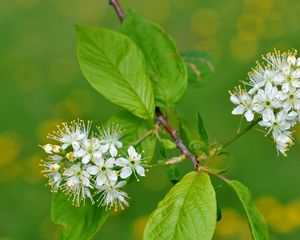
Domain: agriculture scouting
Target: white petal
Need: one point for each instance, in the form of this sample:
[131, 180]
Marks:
[131, 151]
[113, 151]
[79, 153]
[86, 159]
[279, 78]
[140, 170]
[86, 181]
[97, 154]
[99, 162]
[75, 168]
[291, 59]
[121, 184]
[110, 162]
[249, 115]
[75, 145]
[296, 74]
[268, 115]
[121, 162]
[104, 148]
[64, 146]
[238, 110]
[48, 148]
[101, 179]
[296, 83]
[93, 170]
[235, 100]
[112, 175]
[292, 115]
[286, 69]
[268, 88]
[119, 144]
[125, 172]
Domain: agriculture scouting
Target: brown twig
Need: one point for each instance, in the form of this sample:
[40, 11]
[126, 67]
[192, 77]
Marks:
[173, 133]
[118, 9]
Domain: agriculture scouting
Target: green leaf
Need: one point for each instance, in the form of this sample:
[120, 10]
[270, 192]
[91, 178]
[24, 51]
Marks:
[78, 222]
[115, 67]
[134, 128]
[184, 133]
[200, 67]
[168, 144]
[173, 174]
[165, 66]
[256, 221]
[202, 132]
[188, 211]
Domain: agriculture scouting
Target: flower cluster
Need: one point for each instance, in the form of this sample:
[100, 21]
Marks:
[87, 165]
[273, 95]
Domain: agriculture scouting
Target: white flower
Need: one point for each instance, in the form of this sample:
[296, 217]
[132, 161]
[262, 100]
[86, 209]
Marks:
[52, 171]
[72, 134]
[83, 165]
[110, 137]
[244, 102]
[77, 184]
[90, 150]
[112, 196]
[274, 96]
[48, 148]
[103, 170]
[132, 164]
[283, 142]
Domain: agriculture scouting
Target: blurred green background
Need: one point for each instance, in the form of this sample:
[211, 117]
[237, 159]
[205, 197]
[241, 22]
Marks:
[41, 85]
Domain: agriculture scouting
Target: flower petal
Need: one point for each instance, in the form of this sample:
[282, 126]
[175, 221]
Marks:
[101, 179]
[121, 162]
[140, 170]
[249, 115]
[131, 151]
[86, 159]
[125, 172]
[113, 151]
[238, 110]
[93, 170]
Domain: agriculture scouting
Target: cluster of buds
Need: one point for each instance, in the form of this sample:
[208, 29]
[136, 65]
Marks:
[91, 166]
[273, 94]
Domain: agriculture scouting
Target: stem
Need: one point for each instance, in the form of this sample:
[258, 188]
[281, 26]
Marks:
[118, 9]
[241, 133]
[180, 145]
[214, 174]
[146, 134]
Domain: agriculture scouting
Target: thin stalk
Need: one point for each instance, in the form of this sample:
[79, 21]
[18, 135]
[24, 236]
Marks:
[241, 133]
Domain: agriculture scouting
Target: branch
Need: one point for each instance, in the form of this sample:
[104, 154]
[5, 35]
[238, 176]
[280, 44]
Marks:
[116, 5]
[180, 145]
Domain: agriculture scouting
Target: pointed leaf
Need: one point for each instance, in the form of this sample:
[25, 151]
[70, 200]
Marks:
[184, 133]
[256, 221]
[78, 222]
[165, 66]
[202, 132]
[115, 67]
[188, 211]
